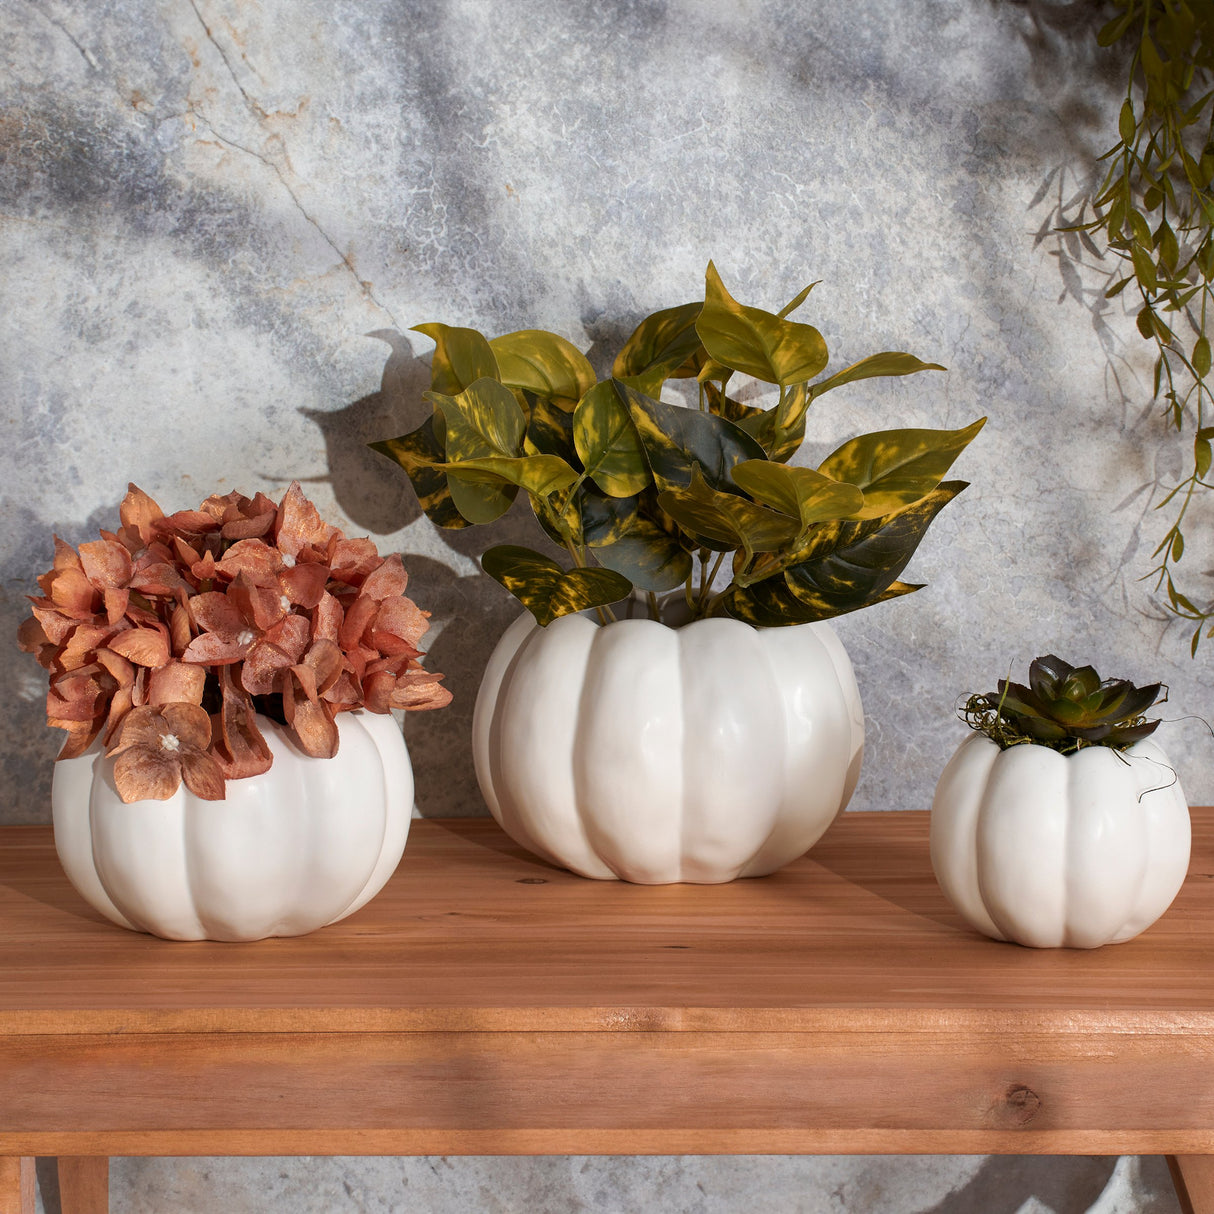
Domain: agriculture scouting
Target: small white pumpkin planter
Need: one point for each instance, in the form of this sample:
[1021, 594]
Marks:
[653, 754]
[297, 847]
[1053, 850]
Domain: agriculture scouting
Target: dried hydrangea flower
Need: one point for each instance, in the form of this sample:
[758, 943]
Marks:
[159, 747]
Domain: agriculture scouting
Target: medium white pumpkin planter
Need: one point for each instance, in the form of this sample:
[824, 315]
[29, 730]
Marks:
[1053, 850]
[653, 754]
[297, 847]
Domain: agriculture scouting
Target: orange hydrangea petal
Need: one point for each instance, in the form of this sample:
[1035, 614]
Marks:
[177, 683]
[313, 725]
[143, 646]
[106, 564]
[419, 691]
[203, 776]
[143, 774]
[327, 619]
[210, 649]
[305, 583]
[262, 605]
[259, 673]
[353, 560]
[252, 556]
[399, 624]
[74, 594]
[80, 737]
[299, 523]
[238, 745]
[139, 513]
[189, 724]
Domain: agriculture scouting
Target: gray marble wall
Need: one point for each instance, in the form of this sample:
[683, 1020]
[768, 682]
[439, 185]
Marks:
[218, 219]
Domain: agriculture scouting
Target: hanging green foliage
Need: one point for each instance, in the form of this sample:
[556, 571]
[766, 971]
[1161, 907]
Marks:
[645, 496]
[1154, 210]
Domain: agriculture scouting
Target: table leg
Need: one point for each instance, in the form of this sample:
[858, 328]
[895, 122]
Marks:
[1193, 1176]
[84, 1184]
[17, 1184]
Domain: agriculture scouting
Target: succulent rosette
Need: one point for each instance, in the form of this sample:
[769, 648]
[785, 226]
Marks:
[167, 638]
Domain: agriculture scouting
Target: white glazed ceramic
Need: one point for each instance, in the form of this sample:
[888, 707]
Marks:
[302, 845]
[654, 754]
[1055, 850]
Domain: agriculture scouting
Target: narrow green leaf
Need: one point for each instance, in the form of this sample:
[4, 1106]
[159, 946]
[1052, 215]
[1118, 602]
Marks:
[1177, 546]
[797, 300]
[1117, 288]
[664, 343]
[419, 453]
[897, 467]
[1116, 28]
[755, 342]
[652, 559]
[1144, 267]
[538, 474]
[803, 494]
[608, 444]
[547, 590]
[461, 357]
[676, 440]
[1126, 126]
[891, 362]
[541, 362]
[1201, 356]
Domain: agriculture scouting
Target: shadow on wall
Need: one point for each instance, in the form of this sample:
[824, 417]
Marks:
[1064, 1185]
[468, 613]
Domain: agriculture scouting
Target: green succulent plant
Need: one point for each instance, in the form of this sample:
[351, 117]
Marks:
[1065, 708]
[646, 496]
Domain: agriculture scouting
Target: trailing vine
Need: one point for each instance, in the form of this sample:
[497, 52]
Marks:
[1155, 210]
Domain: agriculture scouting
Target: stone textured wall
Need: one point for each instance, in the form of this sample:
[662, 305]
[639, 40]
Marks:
[219, 218]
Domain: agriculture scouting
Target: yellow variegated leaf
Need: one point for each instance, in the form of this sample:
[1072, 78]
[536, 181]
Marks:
[803, 494]
[897, 467]
[755, 342]
[607, 442]
[547, 590]
[541, 362]
[461, 357]
[538, 474]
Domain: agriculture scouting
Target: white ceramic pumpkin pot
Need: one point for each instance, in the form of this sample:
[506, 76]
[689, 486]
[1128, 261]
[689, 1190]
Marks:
[1053, 850]
[653, 754]
[302, 845]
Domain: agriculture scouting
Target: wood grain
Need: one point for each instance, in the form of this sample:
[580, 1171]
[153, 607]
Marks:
[487, 1003]
[1193, 1176]
[84, 1184]
[18, 1185]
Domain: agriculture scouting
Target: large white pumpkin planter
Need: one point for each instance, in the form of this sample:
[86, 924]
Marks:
[1055, 850]
[654, 754]
[302, 845]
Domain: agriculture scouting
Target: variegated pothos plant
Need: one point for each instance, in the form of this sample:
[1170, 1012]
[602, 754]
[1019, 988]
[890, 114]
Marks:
[645, 496]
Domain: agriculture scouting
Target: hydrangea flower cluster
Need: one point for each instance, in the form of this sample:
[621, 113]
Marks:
[167, 638]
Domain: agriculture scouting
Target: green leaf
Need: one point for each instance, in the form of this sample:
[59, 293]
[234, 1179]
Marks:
[663, 345]
[726, 519]
[801, 493]
[897, 467]
[1201, 356]
[549, 429]
[1126, 126]
[538, 474]
[461, 357]
[770, 603]
[607, 442]
[547, 590]
[652, 559]
[797, 300]
[1201, 456]
[1116, 28]
[541, 362]
[420, 454]
[780, 431]
[755, 342]
[890, 362]
[677, 440]
[849, 564]
[604, 519]
[729, 408]
[483, 420]
[1177, 546]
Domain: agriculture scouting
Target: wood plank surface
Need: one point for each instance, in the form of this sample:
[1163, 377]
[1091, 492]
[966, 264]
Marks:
[18, 1184]
[1193, 1176]
[472, 933]
[488, 1003]
[84, 1184]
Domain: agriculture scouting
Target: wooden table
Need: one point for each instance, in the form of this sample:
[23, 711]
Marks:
[486, 1003]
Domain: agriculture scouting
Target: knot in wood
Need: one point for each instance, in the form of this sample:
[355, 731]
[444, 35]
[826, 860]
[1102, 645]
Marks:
[1016, 1107]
